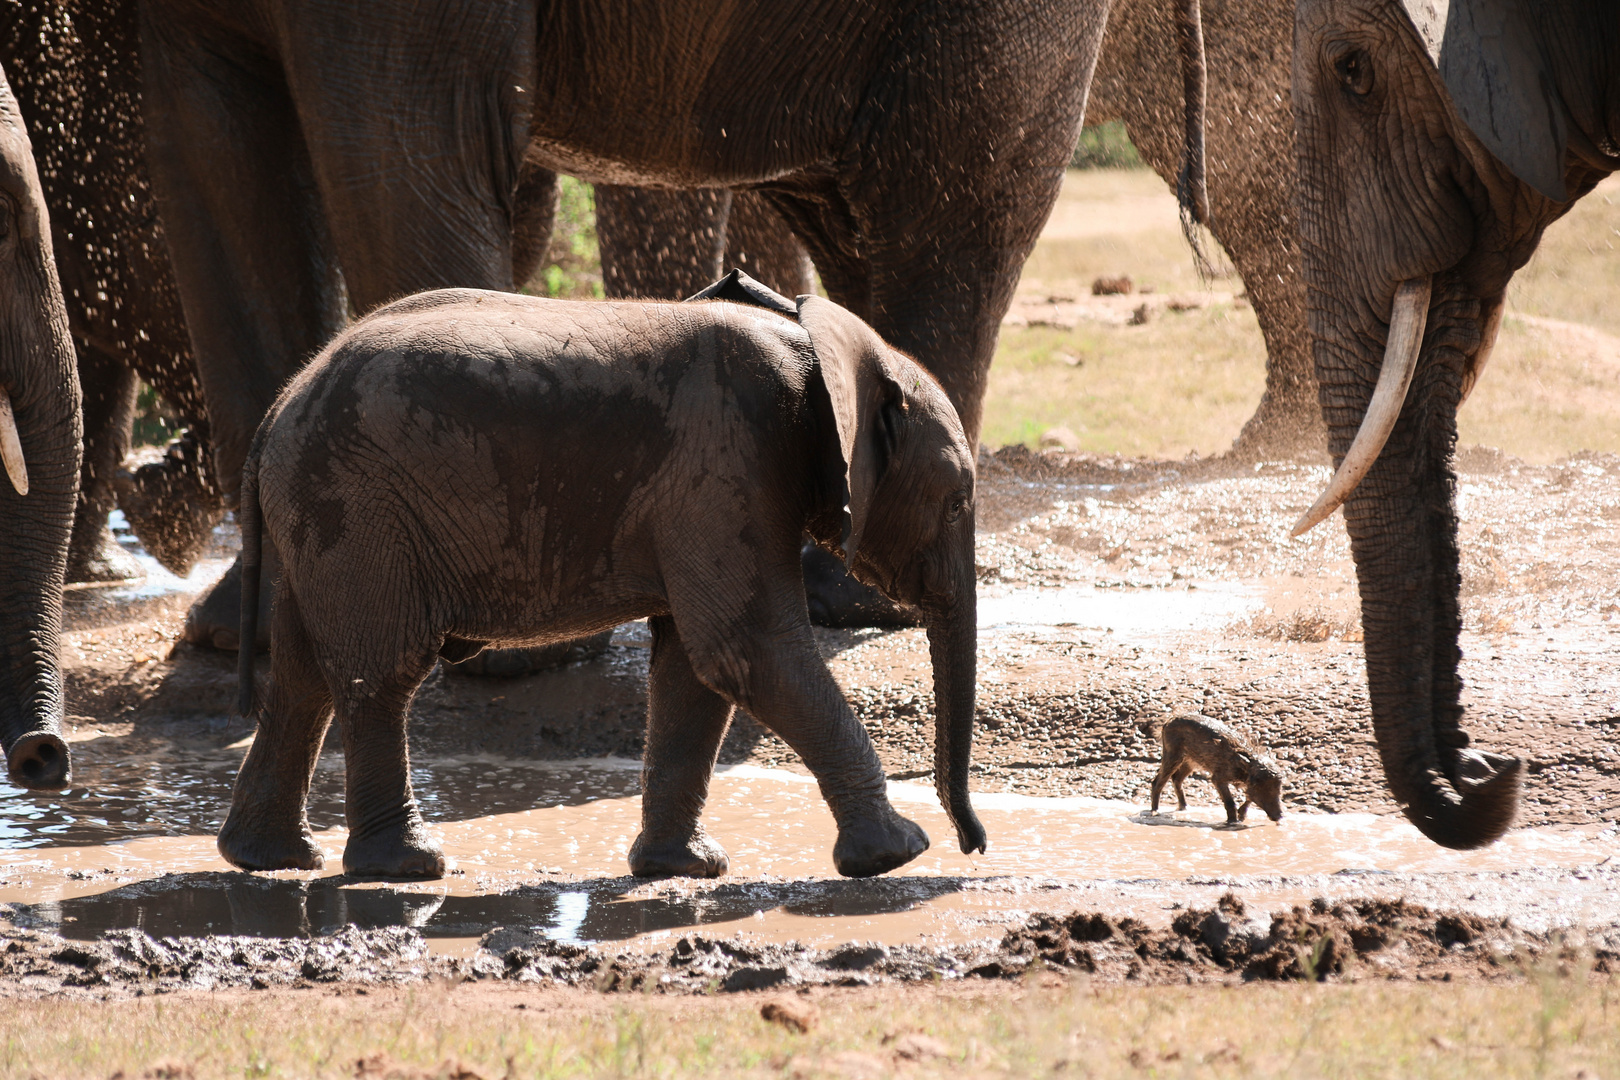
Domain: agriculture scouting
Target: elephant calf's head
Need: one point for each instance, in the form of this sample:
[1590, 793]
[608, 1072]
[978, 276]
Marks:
[904, 469]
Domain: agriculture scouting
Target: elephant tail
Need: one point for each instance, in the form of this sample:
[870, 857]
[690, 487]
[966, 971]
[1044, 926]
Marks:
[248, 517]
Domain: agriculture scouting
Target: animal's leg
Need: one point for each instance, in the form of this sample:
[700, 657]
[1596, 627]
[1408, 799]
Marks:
[764, 659]
[1243, 811]
[1166, 770]
[387, 837]
[1227, 800]
[686, 722]
[659, 244]
[109, 405]
[1181, 773]
[266, 828]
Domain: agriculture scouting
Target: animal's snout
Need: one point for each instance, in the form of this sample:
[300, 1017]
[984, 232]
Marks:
[40, 762]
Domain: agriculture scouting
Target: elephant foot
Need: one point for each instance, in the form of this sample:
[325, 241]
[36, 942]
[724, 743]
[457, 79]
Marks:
[697, 856]
[172, 504]
[875, 846]
[95, 558]
[511, 663]
[403, 851]
[836, 599]
[215, 620]
[248, 849]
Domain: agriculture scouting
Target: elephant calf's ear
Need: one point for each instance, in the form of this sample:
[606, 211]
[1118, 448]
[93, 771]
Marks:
[851, 359]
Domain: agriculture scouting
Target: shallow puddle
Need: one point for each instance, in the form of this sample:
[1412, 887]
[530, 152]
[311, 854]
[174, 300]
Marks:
[543, 845]
[1128, 612]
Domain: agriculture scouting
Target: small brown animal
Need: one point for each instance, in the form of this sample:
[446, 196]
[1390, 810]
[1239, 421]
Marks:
[1208, 744]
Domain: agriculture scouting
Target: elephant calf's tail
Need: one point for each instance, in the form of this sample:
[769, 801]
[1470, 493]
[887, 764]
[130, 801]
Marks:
[248, 515]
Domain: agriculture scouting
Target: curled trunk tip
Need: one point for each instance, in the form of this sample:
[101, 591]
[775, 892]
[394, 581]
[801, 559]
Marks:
[1474, 814]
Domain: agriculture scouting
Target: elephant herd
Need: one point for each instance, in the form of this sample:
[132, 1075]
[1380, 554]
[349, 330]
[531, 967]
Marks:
[223, 186]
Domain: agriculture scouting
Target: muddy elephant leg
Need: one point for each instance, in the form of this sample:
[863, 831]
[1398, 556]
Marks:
[267, 827]
[772, 668]
[109, 389]
[387, 836]
[659, 244]
[1227, 801]
[1177, 778]
[760, 244]
[247, 236]
[686, 723]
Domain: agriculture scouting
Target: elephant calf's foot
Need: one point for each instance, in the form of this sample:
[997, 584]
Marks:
[694, 856]
[251, 850]
[877, 845]
[95, 558]
[404, 851]
[214, 621]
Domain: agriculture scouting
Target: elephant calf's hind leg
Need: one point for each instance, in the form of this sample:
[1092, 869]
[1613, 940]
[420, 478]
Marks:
[686, 722]
[267, 828]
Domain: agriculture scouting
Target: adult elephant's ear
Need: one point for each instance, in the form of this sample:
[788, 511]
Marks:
[1500, 81]
[867, 404]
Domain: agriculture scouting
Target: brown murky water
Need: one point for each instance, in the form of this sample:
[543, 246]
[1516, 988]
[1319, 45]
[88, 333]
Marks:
[552, 856]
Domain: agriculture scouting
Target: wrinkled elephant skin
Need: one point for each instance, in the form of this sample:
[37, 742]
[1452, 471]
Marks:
[467, 468]
[1435, 144]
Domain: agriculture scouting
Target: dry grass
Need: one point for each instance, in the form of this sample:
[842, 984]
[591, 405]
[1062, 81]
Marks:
[1541, 1026]
[1188, 381]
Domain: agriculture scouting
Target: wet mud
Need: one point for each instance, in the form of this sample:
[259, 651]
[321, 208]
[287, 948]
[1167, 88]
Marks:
[1113, 593]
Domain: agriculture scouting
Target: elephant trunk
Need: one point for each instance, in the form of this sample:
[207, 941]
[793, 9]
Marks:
[43, 433]
[1401, 516]
[953, 647]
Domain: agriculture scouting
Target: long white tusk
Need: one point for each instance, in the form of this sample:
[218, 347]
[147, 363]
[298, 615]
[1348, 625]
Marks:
[1407, 319]
[1487, 342]
[11, 446]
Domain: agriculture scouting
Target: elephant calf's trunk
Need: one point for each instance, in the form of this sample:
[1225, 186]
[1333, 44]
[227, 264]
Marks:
[1401, 349]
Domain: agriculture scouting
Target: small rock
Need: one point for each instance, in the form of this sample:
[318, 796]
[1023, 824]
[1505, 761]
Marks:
[794, 1015]
[915, 1046]
[1060, 438]
[1113, 286]
[1141, 315]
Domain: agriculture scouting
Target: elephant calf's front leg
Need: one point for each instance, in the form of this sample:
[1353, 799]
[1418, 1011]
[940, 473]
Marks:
[686, 722]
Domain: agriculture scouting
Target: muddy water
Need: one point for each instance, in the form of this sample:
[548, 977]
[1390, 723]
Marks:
[543, 845]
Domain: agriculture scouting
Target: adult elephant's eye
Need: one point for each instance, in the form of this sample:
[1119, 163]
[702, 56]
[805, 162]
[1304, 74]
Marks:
[1354, 68]
[957, 507]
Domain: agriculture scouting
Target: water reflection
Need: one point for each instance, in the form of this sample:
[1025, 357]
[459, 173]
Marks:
[604, 910]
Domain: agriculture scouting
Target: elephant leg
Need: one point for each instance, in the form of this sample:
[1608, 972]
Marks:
[387, 836]
[109, 389]
[686, 722]
[760, 244]
[771, 667]
[659, 244]
[247, 235]
[267, 827]
[1177, 778]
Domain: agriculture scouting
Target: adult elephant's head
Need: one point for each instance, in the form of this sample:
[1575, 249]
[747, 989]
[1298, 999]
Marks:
[1436, 141]
[897, 454]
[40, 434]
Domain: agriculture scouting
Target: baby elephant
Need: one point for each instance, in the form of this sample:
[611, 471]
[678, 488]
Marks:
[462, 469]
[1200, 742]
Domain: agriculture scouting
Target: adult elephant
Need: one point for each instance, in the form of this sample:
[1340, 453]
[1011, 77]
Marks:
[1436, 143]
[313, 155]
[74, 67]
[667, 244]
[40, 428]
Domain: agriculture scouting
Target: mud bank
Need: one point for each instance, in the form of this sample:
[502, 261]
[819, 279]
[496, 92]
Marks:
[1229, 942]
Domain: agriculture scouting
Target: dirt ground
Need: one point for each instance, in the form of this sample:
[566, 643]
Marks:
[1217, 611]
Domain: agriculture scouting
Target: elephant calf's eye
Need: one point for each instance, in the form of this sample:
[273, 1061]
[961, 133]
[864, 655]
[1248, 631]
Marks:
[1354, 68]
